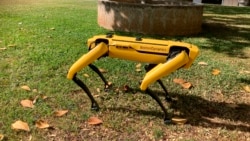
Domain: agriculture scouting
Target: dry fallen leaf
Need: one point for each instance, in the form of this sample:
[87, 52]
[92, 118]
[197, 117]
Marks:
[203, 63]
[61, 113]
[20, 125]
[246, 88]
[42, 124]
[183, 83]
[103, 70]
[25, 87]
[179, 81]
[3, 48]
[1, 137]
[178, 120]
[44, 97]
[246, 72]
[34, 91]
[216, 72]
[27, 103]
[138, 70]
[98, 90]
[86, 75]
[35, 99]
[109, 83]
[138, 65]
[94, 121]
[96, 95]
[186, 85]
[12, 45]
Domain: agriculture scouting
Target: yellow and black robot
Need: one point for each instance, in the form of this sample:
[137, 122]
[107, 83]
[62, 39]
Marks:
[162, 56]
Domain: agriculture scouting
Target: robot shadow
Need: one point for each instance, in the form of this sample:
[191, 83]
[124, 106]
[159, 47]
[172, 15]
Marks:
[201, 112]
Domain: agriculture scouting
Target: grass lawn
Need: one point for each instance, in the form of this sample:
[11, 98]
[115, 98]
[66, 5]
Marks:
[40, 40]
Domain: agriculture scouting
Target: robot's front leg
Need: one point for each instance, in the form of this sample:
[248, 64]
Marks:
[84, 61]
[160, 71]
[95, 69]
[167, 97]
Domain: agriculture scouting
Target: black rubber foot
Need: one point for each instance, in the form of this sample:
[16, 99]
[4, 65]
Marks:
[95, 107]
[167, 121]
[168, 99]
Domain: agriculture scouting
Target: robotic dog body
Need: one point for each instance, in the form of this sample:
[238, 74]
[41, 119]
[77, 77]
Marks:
[163, 57]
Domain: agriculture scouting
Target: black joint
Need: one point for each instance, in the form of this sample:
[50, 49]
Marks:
[109, 35]
[168, 99]
[138, 39]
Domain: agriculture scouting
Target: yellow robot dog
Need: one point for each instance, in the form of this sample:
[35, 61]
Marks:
[163, 57]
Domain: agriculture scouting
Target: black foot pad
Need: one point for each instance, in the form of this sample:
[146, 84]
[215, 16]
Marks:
[167, 121]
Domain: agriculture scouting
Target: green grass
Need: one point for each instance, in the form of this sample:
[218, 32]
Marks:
[40, 40]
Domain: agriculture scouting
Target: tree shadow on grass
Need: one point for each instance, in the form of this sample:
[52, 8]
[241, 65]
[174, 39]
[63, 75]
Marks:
[227, 30]
[225, 39]
[201, 112]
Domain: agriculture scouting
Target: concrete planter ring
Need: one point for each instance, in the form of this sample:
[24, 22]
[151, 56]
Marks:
[156, 17]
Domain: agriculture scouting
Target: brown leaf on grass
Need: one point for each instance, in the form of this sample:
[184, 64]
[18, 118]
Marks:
[183, 83]
[246, 72]
[138, 65]
[11, 45]
[3, 48]
[25, 87]
[186, 85]
[61, 113]
[34, 90]
[42, 124]
[98, 90]
[86, 75]
[27, 103]
[179, 81]
[20, 125]
[94, 121]
[246, 88]
[107, 86]
[103, 70]
[35, 99]
[203, 63]
[1, 137]
[96, 95]
[44, 97]
[216, 71]
[179, 121]
[138, 70]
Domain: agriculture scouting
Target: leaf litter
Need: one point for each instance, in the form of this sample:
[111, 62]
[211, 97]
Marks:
[42, 124]
[183, 83]
[61, 113]
[27, 103]
[20, 125]
[94, 121]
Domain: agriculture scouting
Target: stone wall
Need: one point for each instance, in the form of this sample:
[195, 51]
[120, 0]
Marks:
[154, 17]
